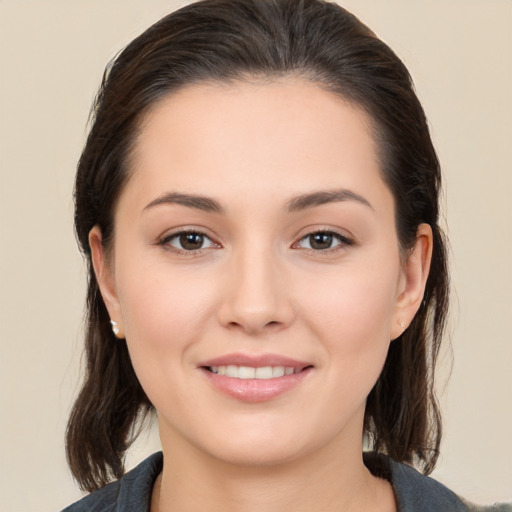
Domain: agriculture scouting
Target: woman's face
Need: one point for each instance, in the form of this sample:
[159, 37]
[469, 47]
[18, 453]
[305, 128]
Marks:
[256, 271]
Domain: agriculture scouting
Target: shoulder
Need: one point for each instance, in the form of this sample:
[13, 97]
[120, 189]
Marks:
[103, 500]
[132, 493]
[419, 493]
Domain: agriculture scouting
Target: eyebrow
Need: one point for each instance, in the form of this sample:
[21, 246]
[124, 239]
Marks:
[295, 204]
[324, 197]
[203, 203]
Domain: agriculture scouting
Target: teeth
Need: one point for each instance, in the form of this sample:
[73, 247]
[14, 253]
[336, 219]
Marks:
[277, 371]
[265, 372]
[248, 372]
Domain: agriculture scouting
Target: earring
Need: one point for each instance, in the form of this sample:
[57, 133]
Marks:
[401, 324]
[115, 328]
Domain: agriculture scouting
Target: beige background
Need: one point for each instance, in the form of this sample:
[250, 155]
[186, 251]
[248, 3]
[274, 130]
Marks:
[52, 54]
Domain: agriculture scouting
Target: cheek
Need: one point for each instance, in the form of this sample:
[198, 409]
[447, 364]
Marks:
[353, 318]
[159, 301]
[353, 302]
[164, 315]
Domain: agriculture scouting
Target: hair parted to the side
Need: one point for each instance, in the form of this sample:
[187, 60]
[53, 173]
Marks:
[225, 40]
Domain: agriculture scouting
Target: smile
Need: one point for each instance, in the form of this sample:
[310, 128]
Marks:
[249, 372]
[255, 378]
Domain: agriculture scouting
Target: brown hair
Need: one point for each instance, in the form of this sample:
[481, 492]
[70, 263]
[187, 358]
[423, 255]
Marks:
[223, 40]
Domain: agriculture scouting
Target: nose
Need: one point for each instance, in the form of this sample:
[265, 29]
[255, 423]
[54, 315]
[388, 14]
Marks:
[255, 298]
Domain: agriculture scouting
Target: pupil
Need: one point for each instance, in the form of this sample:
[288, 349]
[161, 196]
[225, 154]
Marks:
[191, 241]
[321, 241]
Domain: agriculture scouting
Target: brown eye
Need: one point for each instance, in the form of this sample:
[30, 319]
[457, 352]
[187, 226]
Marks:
[323, 240]
[191, 241]
[188, 241]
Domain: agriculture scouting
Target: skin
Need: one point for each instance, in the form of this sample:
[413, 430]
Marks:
[259, 286]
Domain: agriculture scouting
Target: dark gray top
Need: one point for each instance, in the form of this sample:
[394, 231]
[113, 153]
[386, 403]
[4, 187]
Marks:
[414, 492]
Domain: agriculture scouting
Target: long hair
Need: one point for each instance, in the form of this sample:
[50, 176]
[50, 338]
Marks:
[229, 40]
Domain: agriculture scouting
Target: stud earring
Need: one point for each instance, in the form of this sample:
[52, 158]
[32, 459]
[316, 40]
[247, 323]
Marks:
[115, 328]
[401, 324]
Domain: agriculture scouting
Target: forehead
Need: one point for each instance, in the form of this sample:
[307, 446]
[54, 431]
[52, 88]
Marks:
[275, 137]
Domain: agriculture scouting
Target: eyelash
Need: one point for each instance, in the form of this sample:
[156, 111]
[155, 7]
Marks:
[343, 242]
[166, 242]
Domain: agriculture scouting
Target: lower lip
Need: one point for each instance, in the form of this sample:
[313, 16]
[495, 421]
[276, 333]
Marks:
[255, 390]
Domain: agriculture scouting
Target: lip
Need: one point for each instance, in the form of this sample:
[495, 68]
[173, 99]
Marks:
[255, 390]
[255, 360]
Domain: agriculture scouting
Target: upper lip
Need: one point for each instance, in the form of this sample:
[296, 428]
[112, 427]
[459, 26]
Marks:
[255, 361]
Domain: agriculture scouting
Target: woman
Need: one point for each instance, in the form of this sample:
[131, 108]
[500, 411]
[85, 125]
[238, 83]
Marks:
[258, 203]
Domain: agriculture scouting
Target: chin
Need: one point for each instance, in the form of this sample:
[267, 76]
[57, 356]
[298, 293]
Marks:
[266, 445]
[264, 454]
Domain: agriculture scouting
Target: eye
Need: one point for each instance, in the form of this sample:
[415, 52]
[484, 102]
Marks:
[323, 241]
[188, 241]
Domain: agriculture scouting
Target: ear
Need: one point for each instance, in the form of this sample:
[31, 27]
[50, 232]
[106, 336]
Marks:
[413, 281]
[104, 272]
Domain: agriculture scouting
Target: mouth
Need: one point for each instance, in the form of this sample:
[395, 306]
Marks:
[255, 378]
[252, 372]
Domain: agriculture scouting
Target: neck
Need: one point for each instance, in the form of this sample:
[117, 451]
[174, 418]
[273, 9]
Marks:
[327, 480]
